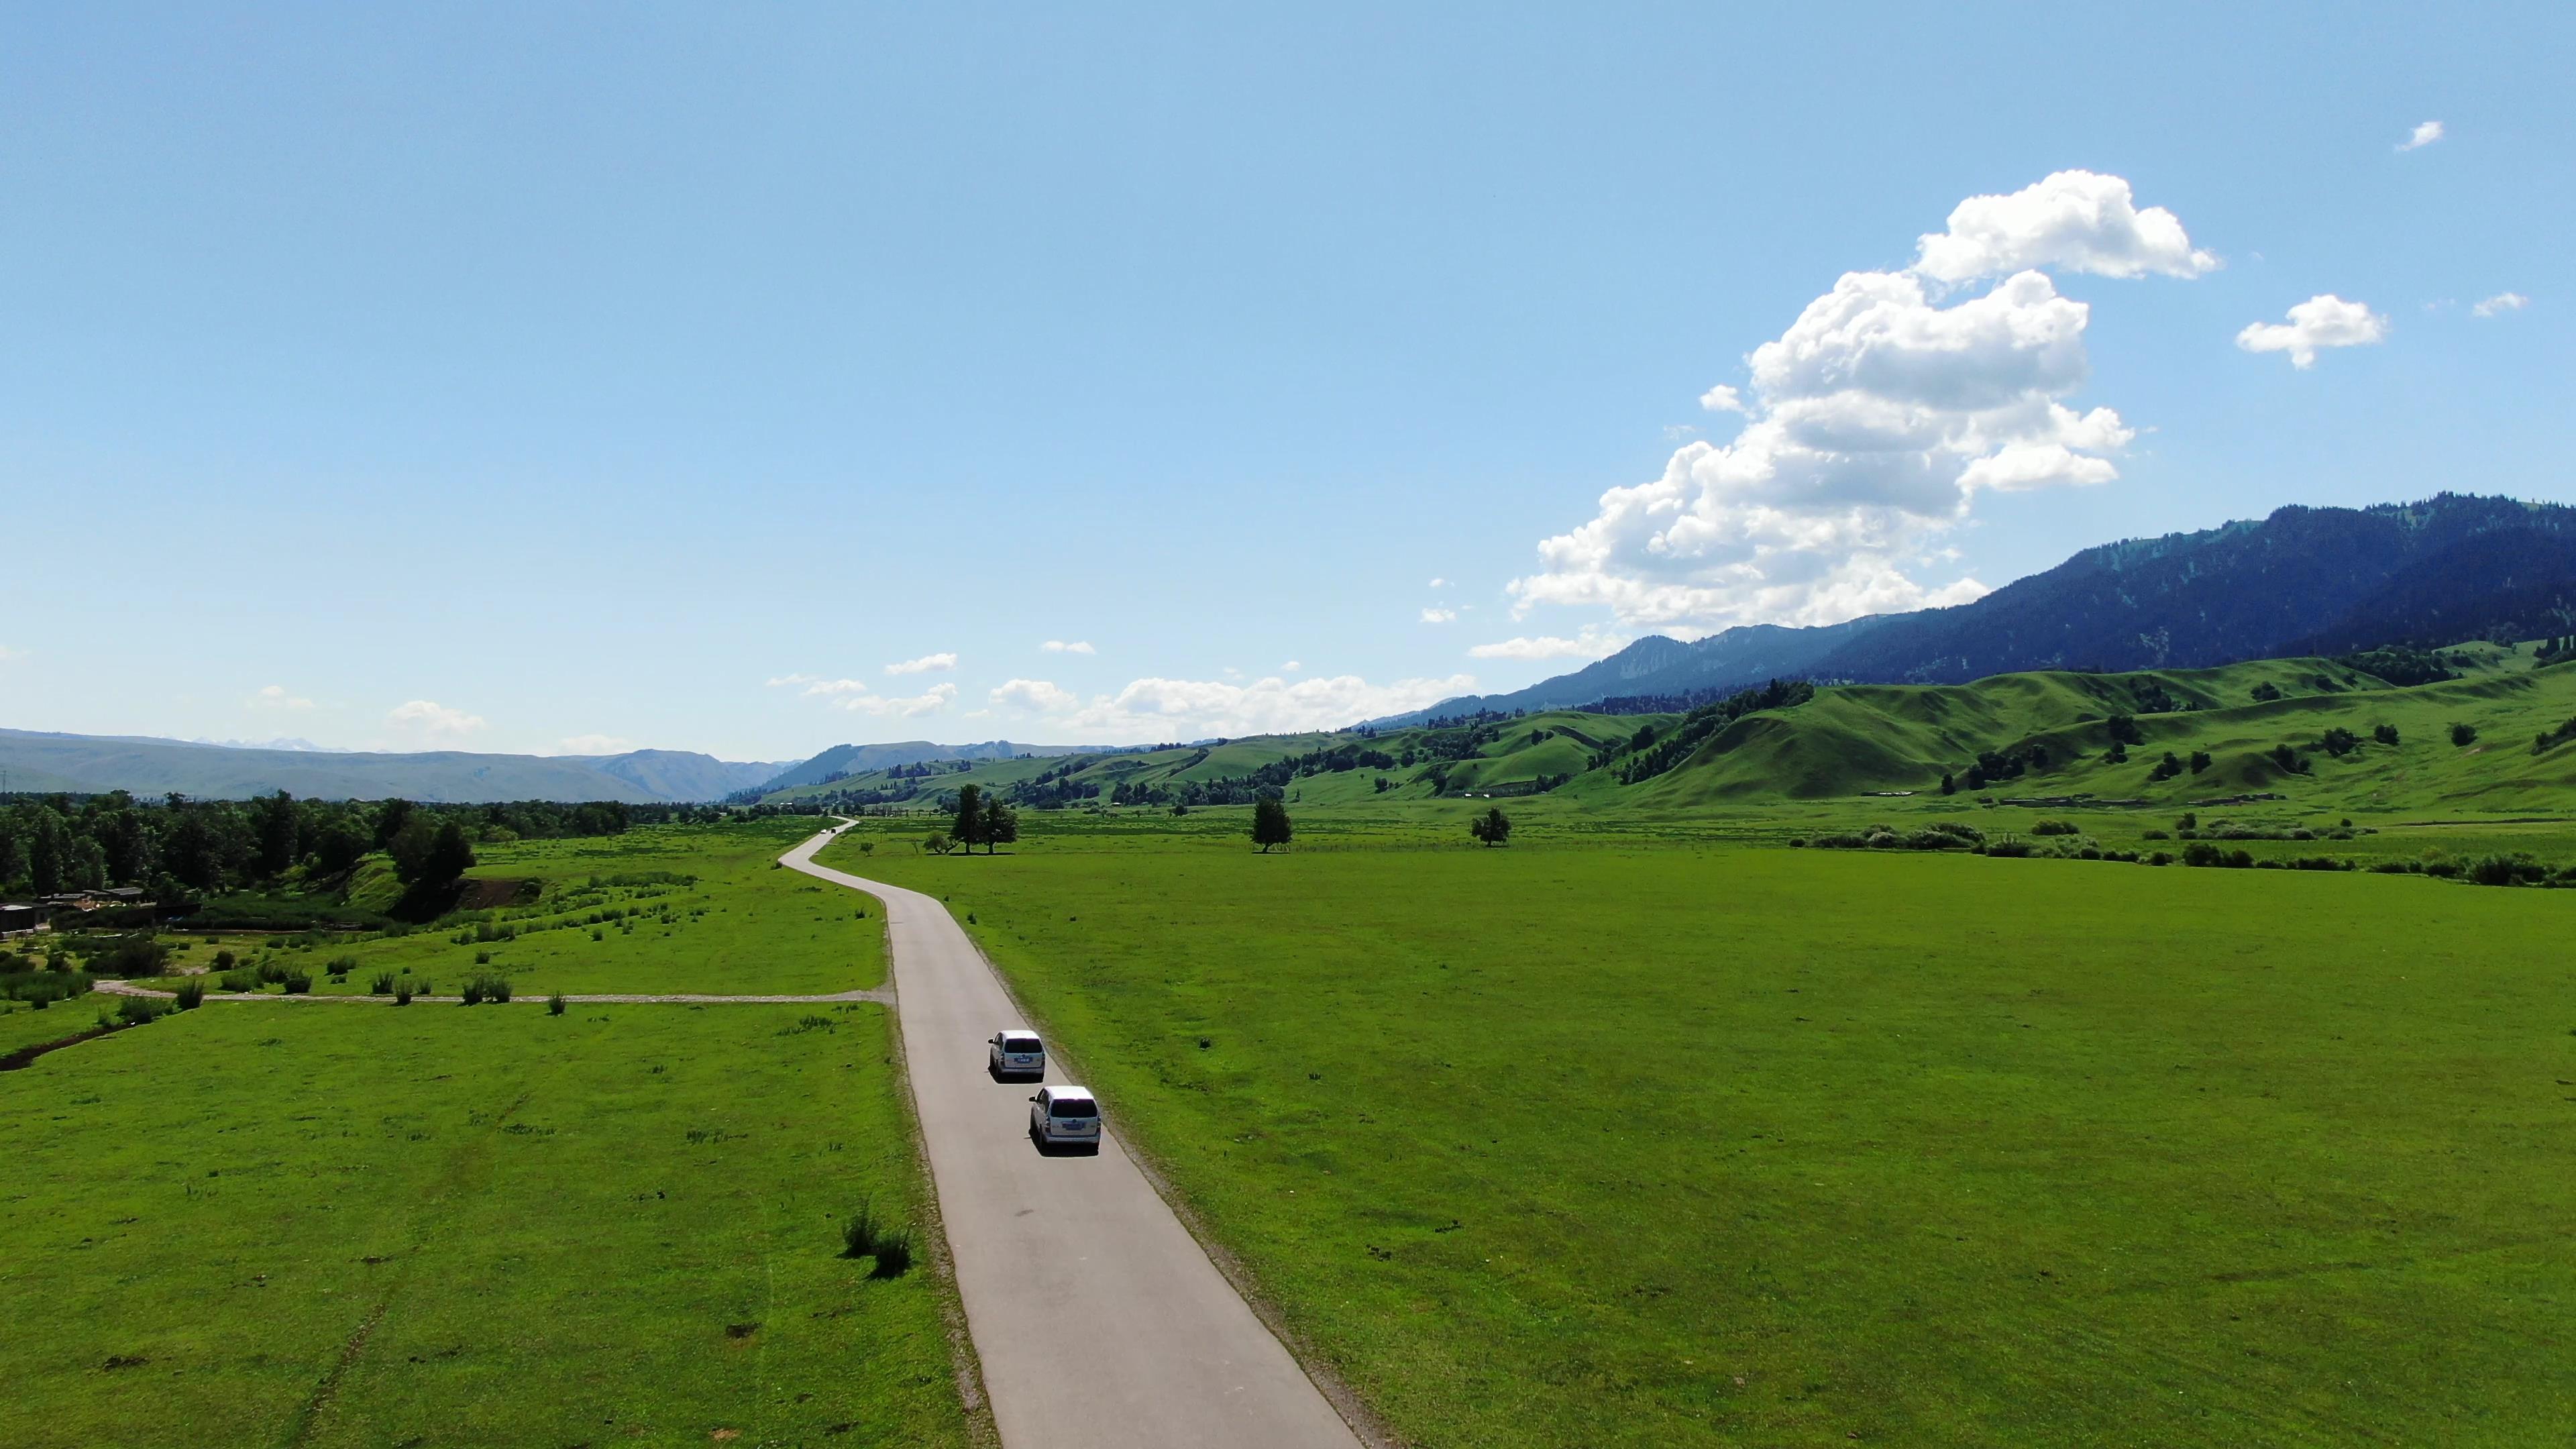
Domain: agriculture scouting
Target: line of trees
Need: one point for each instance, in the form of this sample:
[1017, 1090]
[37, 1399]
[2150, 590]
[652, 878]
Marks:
[176, 848]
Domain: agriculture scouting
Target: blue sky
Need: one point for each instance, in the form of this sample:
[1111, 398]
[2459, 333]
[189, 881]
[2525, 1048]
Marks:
[556, 378]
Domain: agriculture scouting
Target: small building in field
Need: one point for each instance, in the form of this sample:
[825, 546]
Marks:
[18, 920]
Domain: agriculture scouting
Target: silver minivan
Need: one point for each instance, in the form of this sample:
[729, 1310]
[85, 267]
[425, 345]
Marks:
[1017, 1054]
[1064, 1117]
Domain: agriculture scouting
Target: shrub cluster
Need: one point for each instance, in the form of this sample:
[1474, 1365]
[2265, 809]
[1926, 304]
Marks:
[865, 1235]
[1940, 835]
[486, 986]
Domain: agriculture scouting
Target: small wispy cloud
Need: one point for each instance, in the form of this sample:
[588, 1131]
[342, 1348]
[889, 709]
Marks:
[2320, 322]
[429, 717]
[1036, 694]
[275, 696]
[1439, 583]
[1291, 667]
[2501, 303]
[2422, 136]
[1439, 616]
[1062, 646]
[924, 665]
[783, 679]
[937, 697]
[829, 687]
[1591, 643]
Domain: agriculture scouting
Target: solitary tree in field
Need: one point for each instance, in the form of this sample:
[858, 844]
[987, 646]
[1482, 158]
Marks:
[449, 855]
[1949, 786]
[969, 830]
[2464, 735]
[1269, 823]
[1493, 827]
[1001, 823]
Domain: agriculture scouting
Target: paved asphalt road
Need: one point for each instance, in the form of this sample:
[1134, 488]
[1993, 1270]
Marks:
[1098, 1319]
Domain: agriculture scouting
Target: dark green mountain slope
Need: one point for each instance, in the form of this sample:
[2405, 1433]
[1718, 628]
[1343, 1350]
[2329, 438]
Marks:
[2302, 581]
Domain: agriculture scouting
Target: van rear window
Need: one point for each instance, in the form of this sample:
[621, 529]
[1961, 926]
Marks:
[1072, 1107]
[1019, 1043]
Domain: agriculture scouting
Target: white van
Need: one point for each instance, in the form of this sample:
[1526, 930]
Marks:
[1016, 1054]
[1064, 1117]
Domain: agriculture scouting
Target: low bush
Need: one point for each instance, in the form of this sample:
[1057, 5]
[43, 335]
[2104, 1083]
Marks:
[2055, 827]
[296, 982]
[472, 992]
[192, 993]
[482, 958]
[240, 981]
[2507, 870]
[340, 966]
[383, 985]
[271, 973]
[136, 1010]
[2154, 835]
[554, 1004]
[402, 991]
[2009, 849]
[2464, 735]
[864, 1235]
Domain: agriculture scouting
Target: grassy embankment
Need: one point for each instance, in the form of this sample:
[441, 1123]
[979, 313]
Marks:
[278, 1224]
[1616, 1144]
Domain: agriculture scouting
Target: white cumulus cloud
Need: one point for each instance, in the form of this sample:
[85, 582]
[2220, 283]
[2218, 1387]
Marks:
[1872, 424]
[2501, 303]
[2319, 322]
[1591, 643]
[1439, 583]
[935, 698]
[274, 696]
[429, 717]
[1722, 399]
[924, 665]
[1291, 667]
[1152, 710]
[1060, 646]
[1439, 616]
[2075, 221]
[2424, 134]
[1036, 694]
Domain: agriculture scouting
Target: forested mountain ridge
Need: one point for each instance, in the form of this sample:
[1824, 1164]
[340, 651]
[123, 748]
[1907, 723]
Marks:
[2301, 581]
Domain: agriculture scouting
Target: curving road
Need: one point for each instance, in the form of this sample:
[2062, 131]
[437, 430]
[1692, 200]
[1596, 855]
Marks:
[1099, 1320]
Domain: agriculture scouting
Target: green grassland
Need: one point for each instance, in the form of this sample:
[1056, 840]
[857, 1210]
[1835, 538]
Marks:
[268, 1223]
[695, 909]
[1615, 1138]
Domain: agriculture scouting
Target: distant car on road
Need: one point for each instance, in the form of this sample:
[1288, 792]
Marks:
[1017, 1054]
[1064, 1117]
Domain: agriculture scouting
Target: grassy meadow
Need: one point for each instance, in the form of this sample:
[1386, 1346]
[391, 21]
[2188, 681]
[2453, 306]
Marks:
[258, 1223]
[657, 910]
[1681, 1136]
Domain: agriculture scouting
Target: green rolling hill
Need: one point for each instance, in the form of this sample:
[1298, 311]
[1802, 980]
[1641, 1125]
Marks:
[2044, 734]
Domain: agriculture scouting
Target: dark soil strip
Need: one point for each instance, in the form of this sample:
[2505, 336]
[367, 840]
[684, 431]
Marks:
[323, 1392]
[18, 1059]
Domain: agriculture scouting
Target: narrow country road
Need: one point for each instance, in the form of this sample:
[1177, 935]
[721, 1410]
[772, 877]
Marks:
[1100, 1322]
